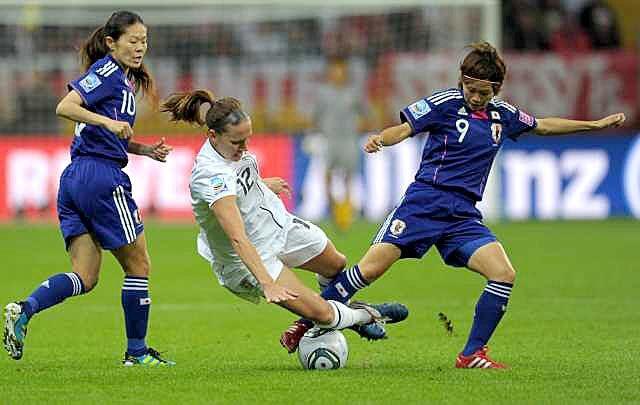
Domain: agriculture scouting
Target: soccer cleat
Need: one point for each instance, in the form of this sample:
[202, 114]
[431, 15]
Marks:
[150, 359]
[291, 337]
[393, 312]
[479, 359]
[15, 329]
[370, 331]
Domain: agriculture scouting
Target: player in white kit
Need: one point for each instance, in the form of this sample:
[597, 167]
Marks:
[246, 233]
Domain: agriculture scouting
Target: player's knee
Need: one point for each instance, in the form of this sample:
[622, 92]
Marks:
[339, 264]
[138, 266]
[89, 282]
[505, 274]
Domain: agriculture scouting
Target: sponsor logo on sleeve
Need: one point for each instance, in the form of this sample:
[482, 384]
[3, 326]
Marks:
[218, 184]
[525, 118]
[90, 82]
[419, 109]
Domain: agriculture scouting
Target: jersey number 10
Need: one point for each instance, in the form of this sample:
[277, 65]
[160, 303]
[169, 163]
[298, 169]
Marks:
[128, 103]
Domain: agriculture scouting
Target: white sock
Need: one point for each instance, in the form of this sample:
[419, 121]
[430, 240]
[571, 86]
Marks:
[343, 316]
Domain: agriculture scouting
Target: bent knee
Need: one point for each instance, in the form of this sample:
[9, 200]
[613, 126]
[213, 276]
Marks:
[89, 283]
[506, 274]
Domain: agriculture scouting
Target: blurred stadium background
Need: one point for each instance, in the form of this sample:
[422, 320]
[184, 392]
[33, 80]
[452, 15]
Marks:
[571, 58]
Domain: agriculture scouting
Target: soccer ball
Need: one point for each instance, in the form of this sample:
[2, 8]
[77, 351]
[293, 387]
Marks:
[323, 349]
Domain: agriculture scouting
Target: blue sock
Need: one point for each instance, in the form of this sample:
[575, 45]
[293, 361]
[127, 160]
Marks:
[489, 310]
[345, 284]
[136, 303]
[53, 291]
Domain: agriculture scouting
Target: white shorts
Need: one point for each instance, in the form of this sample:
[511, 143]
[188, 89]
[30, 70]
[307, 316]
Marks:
[304, 241]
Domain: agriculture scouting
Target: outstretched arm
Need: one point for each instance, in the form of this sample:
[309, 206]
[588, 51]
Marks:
[559, 126]
[71, 107]
[389, 136]
[157, 151]
[228, 215]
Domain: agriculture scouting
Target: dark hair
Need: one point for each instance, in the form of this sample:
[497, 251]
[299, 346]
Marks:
[95, 48]
[185, 106]
[484, 63]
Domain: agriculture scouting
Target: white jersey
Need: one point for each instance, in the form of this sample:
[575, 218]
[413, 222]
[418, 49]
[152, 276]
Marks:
[264, 215]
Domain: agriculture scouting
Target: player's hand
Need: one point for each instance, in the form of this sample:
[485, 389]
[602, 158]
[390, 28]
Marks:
[276, 293]
[122, 129]
[611, 121]
[278, 185]
[373, 144]
[159, 150]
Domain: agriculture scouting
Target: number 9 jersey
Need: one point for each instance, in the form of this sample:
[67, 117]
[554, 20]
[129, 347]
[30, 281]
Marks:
[461, 143]
[104, 90]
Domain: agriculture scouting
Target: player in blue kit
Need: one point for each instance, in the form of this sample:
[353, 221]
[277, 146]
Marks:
[466, 127]
[95, 206]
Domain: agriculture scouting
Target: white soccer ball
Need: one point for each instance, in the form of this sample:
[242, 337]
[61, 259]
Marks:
[323, 349]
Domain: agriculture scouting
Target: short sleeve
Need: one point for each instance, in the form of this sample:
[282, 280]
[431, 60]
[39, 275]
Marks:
[210, 186]
[421, 115]
[92, 87]
[518, 122]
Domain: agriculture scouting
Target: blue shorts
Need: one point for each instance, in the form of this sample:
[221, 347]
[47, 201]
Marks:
[95, 197]
[430, 216]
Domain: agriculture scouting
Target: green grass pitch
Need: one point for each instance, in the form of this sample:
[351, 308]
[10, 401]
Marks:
[571, 334]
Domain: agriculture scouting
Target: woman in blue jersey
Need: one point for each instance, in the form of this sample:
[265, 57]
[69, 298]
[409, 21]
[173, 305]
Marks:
[95, 206]
[466, 127]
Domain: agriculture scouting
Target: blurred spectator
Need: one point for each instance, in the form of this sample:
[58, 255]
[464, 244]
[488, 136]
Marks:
[523, 27]
[35, 106]
[563, 33]
[601, 25]
[336, 112]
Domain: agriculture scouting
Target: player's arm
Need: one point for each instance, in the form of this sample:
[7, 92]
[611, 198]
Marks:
[278, 185]
[228, 215]
[72, 107]
[389, 136]
[559, 126]
[157, 151]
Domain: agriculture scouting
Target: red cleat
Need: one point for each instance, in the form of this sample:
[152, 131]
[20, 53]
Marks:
[479, 359]
[291, 337]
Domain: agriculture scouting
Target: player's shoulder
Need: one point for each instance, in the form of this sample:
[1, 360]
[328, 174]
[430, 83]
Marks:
[209, 163]
[502, 105]
[440, 100]
[106, 68]
[446, 98]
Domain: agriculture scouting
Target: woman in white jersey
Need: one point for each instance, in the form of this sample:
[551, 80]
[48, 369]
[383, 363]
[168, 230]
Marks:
[247, 234]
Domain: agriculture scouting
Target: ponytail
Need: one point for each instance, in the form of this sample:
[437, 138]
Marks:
[185, 107]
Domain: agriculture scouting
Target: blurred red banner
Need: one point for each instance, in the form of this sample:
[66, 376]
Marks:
[30, 168]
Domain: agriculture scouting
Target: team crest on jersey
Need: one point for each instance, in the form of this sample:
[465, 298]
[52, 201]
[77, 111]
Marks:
[218, 184]
[496, 132]
[419, 109]
[90, 82]
[397, 227]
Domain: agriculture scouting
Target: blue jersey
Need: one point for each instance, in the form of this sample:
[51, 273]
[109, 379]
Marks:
[105, 90]
[462, 144]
